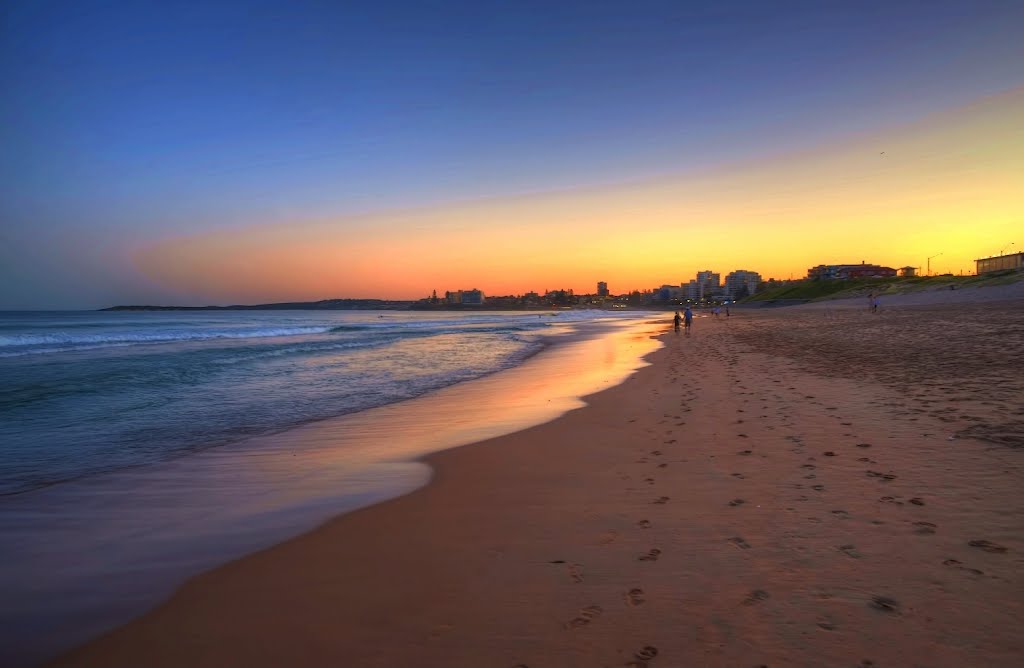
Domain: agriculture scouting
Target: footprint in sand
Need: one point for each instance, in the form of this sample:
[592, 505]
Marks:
[740, 543]
[924, 528]
[652, 555]
[662, 465]
[644, 524]
[736, 502]
[586, 615]
[756, 596]
[959, 566]
[917, 501]
[661, 500]
[635, 597]
[988, 546]
[863, 445]
[841, 513]
[656, 452]
[575, 572]
[818, 488]
[745, 453]
[885, 604]
[646, 653]
[850, 551]
[643, 657]
[829, 453]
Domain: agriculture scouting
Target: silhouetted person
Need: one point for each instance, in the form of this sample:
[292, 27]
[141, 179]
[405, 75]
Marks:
[687, 319]
[676, 321]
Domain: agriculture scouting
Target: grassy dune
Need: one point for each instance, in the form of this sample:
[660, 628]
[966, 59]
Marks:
[821, 290]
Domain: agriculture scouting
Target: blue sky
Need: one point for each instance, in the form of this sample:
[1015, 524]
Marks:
[129, 122]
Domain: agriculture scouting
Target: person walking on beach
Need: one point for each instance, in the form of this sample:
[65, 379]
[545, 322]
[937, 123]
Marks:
[875, 301]
[687, 319]
[676, 321]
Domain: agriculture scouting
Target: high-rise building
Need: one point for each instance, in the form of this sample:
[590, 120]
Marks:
[602, 289]
[709, 279]
[741, 283]
[704, 286]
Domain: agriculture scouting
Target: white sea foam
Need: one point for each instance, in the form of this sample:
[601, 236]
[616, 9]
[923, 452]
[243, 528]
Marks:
[63, 340]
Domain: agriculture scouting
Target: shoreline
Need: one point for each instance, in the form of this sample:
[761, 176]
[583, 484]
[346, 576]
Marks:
[63, 584]
[723, 506]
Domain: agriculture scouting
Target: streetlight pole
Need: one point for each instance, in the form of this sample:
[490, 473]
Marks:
[1012, 243]
[930, 263]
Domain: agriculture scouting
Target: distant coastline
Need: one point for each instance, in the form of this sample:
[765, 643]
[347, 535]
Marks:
[347, 305]
[322, 305]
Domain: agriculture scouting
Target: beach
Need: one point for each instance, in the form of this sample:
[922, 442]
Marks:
[797, 487]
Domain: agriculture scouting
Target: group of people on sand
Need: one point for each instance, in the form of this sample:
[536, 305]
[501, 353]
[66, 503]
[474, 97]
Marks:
[686, 319]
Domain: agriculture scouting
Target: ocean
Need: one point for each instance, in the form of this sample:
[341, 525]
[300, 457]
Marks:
[85, 393]
[139, 448]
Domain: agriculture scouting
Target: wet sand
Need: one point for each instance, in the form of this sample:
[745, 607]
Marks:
[797, 488]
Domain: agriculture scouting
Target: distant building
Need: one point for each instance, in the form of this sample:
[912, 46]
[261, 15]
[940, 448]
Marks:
[908, 272]
[602, 289]
[705, 286]
[668, 293]
[831, 272]
[1000, 262]
[709, 279]
[741, 283]
[472, 297]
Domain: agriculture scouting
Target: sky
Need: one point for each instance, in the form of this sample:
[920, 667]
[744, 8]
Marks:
[244, 152]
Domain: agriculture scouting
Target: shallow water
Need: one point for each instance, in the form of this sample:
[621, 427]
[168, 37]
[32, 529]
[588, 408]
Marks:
[89, 553]
[86, 393]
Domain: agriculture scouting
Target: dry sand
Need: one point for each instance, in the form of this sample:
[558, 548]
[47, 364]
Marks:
[792, 488]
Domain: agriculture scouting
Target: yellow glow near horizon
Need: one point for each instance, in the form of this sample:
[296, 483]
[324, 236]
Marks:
[950, 184]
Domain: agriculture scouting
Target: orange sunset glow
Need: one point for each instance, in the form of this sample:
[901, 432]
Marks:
[951, 183]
